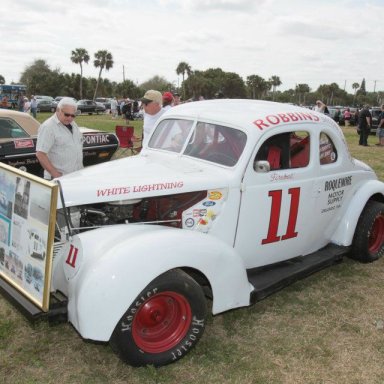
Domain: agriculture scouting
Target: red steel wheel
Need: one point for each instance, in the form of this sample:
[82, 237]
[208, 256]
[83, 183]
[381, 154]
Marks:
[161, 322]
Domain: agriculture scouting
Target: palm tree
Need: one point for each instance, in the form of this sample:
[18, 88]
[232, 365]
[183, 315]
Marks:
[275, 82]
[302, 89]
[78, 56]
[103, 59]
[257, 86]
[182, 69]
[355, 87]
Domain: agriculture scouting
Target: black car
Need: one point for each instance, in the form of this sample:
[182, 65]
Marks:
[90, 107]
[45, 105]
[18, 135]
[105, 101]
[375, 112]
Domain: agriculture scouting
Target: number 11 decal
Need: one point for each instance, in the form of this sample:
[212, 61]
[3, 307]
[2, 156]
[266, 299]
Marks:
[274, 219]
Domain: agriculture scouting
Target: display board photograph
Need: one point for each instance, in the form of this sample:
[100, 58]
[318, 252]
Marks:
[27, 224]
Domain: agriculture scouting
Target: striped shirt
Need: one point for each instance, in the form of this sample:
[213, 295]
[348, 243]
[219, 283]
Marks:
[63, 147]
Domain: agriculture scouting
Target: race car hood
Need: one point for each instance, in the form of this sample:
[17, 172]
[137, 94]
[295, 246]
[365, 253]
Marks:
[136, 177]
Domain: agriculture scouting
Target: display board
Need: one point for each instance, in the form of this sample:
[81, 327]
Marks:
[27, 224]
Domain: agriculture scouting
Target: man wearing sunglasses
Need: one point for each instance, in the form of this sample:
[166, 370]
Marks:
[59, 146]
[152, 103]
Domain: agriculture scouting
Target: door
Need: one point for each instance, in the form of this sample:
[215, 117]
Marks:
[276, 205]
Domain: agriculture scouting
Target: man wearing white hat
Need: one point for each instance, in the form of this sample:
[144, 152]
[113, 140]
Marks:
[152, 103]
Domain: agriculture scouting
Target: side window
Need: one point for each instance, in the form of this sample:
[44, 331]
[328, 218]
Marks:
[10, 129]
[285, 151]
[327, 150]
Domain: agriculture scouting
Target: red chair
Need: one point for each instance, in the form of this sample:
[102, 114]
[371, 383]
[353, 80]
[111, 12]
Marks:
[126, 138]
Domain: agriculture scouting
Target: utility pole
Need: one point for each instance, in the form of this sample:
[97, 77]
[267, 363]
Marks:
[374, 86]
[345, 84]
[123, 74]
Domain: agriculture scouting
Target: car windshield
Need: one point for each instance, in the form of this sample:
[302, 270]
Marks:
[211, 142]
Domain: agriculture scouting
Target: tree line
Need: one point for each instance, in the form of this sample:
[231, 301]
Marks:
[40, 79]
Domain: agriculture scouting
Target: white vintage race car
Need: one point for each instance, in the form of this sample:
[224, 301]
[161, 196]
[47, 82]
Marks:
[231, 201]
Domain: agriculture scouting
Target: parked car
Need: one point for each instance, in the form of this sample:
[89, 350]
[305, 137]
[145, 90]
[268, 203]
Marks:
[18, 133]
[106, 101]
[230, 200]
[45, 105]
[90, 107]
[375, 112]
[41, 97]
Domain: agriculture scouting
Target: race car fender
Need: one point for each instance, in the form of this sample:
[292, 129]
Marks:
[114, 264]
[347, 225]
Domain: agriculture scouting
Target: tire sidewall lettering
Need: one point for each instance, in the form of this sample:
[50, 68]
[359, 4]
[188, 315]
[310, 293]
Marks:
[126, 322]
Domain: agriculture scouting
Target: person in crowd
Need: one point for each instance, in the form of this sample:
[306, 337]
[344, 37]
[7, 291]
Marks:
[167, 100]
[319, 107]
[20, 103]
[4, 102]
[176, 99]
[380, 127]
[59, 146]
[347, 117]
[27, 105]
[365, 121]
[152, 102]
[126, 110]
[114, 108]
[33, 106]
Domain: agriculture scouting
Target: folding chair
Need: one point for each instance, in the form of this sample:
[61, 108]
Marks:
[126, 137]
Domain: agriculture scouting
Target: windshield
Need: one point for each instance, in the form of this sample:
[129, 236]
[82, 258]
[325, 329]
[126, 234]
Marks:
[211, 142]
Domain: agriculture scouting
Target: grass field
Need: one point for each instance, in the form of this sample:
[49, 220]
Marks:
[328, 328]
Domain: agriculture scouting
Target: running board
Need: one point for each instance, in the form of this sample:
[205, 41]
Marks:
[57, 304]
[272, 278]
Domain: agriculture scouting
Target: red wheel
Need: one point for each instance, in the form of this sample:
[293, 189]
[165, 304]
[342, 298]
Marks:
[368, 241]
[161, 322]
[376, 238]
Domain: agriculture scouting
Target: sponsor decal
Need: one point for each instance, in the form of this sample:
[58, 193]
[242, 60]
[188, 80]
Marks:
[189, 223]
[332, 185]
[199, 212]
[23, 143]
[283, 118]
[209, 203]
[215, 195]
[335, 189]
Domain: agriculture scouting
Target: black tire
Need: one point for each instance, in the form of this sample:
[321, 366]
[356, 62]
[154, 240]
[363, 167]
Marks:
[368, 241]
[163, 323]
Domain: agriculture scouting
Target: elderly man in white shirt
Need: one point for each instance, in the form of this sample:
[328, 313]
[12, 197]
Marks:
[59, 147]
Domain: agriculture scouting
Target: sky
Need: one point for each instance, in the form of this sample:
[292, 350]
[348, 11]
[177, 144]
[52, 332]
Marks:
[301, 41]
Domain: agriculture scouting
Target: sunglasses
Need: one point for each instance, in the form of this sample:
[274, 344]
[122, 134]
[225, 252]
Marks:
[69, 115]
[147, 102]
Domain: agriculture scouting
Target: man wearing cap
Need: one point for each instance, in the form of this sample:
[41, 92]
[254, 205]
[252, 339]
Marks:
[167, 100]
[152, 103]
